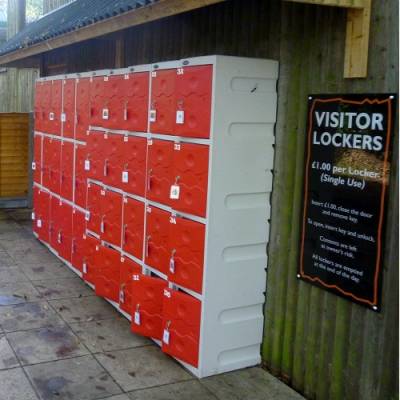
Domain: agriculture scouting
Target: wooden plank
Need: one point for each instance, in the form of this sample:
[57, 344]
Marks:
[335, 3]
[151, 12]
[357, 40]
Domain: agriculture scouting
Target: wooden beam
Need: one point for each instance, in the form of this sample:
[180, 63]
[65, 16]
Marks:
[357, 40]
[151, 12]
[335, 3]
[357, 34]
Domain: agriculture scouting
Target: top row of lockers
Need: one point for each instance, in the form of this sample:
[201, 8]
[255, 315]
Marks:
[171, 100]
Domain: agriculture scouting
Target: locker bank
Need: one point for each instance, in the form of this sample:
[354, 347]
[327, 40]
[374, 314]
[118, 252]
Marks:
[171, 170]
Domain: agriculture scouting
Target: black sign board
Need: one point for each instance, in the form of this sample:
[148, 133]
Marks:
[345, 187]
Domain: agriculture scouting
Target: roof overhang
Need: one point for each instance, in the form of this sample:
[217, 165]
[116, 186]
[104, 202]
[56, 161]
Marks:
[151, 12]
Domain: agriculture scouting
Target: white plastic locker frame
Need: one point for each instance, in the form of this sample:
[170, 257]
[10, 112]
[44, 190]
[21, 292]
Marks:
[244, 103]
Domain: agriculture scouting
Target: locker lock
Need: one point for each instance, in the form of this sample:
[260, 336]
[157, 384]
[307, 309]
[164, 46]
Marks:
[59, 237]
[166, 333]
[147, 245]
[102, 224]
[122, 293]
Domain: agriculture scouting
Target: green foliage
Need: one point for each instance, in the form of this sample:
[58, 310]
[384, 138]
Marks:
[34, 9]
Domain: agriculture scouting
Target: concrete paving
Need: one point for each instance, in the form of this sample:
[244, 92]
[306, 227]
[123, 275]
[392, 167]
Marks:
[59, 341]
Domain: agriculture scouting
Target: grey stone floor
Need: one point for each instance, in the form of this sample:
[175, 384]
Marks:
[59, 341]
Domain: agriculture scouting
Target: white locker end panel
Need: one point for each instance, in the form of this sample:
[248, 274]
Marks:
[240, 183]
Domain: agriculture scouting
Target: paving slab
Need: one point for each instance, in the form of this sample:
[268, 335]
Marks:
[118, 397]
[84, 309]
[52, 289]
[54, 269]
[17, 292]
[192, 390]
[7, 356]
[33, 256]
[26, 316]
[9, 226]
[15, 385]
[14, 234]
[250, 384]
[18, 244]
[142, 367]
[12, 274]
[80, 378]
[46, 344]
[108, 335]
[6, 260]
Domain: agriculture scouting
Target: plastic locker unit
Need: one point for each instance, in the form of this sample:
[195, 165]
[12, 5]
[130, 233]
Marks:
[239, 96]
[67, 170]
[203, 172]
[37, 158]
[41, 213]
[54, 124]
[78, 238]
[68, 108]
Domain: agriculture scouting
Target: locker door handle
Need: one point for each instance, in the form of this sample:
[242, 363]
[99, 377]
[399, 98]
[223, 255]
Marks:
[102, 224]
[126, 111]
[105, 168]
[124, 234]
[149, 179]
[59, 237]
[147, 245]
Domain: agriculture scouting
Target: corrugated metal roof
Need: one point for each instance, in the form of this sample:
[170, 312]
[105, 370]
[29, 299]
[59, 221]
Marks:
[71, 17]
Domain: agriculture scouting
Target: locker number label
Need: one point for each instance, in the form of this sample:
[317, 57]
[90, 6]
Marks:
[87, 216]
[166, 336]
[167, 293]
[105, 113]
[174, 192]
[137, 318]
[87, 165]
[125, 176]
[180, 117]
[180, 71]
[63, 117]
[39, 223]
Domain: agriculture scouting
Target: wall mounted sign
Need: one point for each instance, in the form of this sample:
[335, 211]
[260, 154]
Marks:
[345, 187]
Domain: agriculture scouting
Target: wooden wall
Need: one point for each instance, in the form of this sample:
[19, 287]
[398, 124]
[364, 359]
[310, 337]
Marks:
[322, 345]
[14, 131]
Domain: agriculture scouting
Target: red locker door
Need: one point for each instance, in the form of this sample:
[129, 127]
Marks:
[110, 164]
[107, 275]
[96, 155]
[41, 213]
[37, 159]
[67, 169]
[94, 207]
[132, 161]
[157, 252]
[78, 238]
[111, 218]
[82, 115]
[46, 106]
[188, 191]
[159, 170]
[55, 222]
[133, 114]
[162, 106]
[98, 101]
[46, 162]
[51, 164]
[128, 269]
[186, 241]
[64, 235]
[112, 113]
[133, 227]
[81, 162]
[193, 101]
[55, 107]
[39, 107]
[181, 326]
[147, 303]
[91, 246]
[68, 114]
